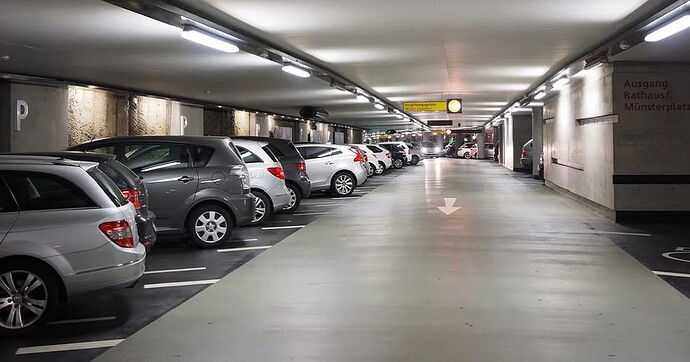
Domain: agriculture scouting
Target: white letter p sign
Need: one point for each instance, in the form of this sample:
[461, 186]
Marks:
[22, 113]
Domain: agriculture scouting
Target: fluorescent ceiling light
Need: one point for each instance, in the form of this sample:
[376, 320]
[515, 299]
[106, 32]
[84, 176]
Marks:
[296, 71]
[209, 40]
[379, 105]
[561, 82]
[540, 95]
[669, 29]
[362, 98]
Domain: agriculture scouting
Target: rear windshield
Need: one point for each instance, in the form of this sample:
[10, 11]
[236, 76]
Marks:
[270, 153]
[123, 177]
[374, 148]
[108, 186]
[428, 144]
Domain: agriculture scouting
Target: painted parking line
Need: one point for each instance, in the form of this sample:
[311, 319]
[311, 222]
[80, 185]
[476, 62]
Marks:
[310, 213]
[671, 274]
[622, 233]
[81, 320]
[594, 232]
[345, 198]
[69, 346]
[283, 227]
[236, 240]
[324, 205]
[180, 284]
[174, 270]
[244, 249]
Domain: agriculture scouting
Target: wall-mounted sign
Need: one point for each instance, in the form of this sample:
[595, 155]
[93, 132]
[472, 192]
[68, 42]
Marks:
[22, 113]
[454, 105]
[422, 107]
[439, 122]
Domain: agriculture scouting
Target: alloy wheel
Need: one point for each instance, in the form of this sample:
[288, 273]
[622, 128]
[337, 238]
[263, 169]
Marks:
[380, 169]
[23, 299]
[343, 184]
[211, 227]
[293, 198]
[259, 209]
[371, 170]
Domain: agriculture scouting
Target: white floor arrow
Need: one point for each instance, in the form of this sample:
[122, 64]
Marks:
[449, 208]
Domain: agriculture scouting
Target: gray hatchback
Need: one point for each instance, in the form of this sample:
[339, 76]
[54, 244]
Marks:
[196, 184]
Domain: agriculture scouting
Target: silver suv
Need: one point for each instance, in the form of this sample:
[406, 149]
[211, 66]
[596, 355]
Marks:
[65, 229]
[196, 184]
[335, 168]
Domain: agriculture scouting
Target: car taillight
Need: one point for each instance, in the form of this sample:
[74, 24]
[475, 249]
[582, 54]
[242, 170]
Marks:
[301, 166]
[277, 172]
[134, 196]
[409, 151]
[118, 232]
[358, 155]
[524, 154]
[388, 154]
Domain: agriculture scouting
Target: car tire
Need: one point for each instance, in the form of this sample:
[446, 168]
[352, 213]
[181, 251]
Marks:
[262, 208]
[398, 163]
[343, 184]
[415, 160]
[466, 155]
[34, 302]
[373, 169]
[381, 169]
[295, 199]
[209, 226]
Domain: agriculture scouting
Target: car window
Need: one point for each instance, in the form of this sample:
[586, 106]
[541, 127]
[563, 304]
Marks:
[108, 186]
[313, 152]
[489, 146]
[276, 151]
[269, 153]
[7, 203]
[428, 144]
[374, 149]
[115, 175]
[108, 150]
[247, 155]
[146, 157]
[40, 191]
[201, 155]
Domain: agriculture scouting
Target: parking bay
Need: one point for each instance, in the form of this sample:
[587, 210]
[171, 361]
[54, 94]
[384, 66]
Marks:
[175, 272]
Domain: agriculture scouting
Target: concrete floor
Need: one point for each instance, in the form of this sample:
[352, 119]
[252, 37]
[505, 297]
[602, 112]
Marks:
[517, 274]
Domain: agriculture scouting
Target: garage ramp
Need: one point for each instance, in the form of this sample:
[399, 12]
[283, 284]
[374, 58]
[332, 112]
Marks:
[516, 274]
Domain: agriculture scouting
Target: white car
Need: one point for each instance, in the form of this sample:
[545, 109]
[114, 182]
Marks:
[383, 156]
[375, 168]
[336, 168]
[431, 149]
[406, 147]
[266, 178]
[464, 150]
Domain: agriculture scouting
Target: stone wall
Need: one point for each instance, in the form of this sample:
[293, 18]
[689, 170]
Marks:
[91, 114]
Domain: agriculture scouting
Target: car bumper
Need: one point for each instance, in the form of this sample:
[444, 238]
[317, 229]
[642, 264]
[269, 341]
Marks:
[125, 268]
[279, 197]
[304, 186]
[243, 207]
[146, 229]
[361, 175]
[526, 163]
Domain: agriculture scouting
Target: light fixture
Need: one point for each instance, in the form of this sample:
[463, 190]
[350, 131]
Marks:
[540, 95]
[673, 27]
[399, 116]
[378, 105]
[362, 98]
[448, 131]
[91, 86]
[209, 40]
[296, 71]
[561, 82]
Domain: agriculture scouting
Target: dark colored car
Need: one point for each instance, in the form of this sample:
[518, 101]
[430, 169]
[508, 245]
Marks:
[196, 184]
[131, 186]
[294, 166]
[398, 154]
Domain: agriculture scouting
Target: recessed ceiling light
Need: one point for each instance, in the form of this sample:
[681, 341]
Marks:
[675, 26]
[209, 40]
[296, 71]
[378, 105]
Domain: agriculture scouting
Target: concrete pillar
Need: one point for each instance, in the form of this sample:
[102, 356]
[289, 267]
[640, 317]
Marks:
[537, 138]
[5, 117]
[481, 154]
[45, 127]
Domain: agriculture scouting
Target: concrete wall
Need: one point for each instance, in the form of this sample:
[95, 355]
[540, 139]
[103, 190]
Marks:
[578, 156]
[45, 127]
[91, 114]
[517, 130]
[195, 120]
[5, 116]
[651, 137]
[149, 116]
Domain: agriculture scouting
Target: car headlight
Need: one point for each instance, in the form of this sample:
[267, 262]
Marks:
[424, 149]
[437, 149]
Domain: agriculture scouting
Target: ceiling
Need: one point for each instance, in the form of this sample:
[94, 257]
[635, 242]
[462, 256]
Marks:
[485, 52]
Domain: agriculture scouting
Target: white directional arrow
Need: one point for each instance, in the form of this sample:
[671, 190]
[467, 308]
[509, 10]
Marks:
[449, 208]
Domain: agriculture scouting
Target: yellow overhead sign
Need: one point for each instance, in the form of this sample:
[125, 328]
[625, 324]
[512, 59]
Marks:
[419, 107]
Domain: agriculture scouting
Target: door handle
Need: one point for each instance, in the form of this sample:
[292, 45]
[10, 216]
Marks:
[329, 163]
[185, 179]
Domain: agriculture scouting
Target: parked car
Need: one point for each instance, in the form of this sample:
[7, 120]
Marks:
[450, 150]
[398, 154]
[65, 229]
[335, 168]
[296, 178]
[541, 165]
[488, 151]
[198, 185]
[464, 150]
[381, 156]
[406, 148]
[526, 156]
[127, 181]
[417, 154]
[266, 177]
[373, 166]
[431, 149]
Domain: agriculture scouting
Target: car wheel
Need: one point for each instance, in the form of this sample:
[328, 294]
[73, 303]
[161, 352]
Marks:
[466, 155]
[398, 163]
[262, 208]
[210, 226]
[415, 160]
[371, 170]
[28, 294]
[295, 199]
[381, 169]
[343, 184]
